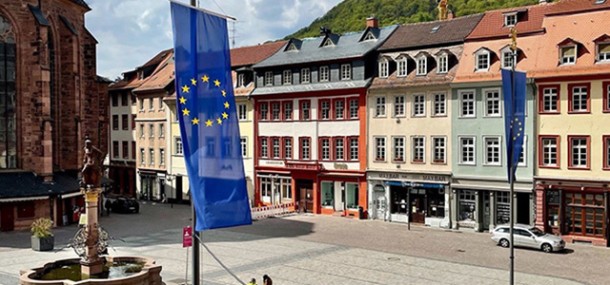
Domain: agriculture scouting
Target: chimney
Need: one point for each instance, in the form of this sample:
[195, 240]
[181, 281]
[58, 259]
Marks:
[372, 22]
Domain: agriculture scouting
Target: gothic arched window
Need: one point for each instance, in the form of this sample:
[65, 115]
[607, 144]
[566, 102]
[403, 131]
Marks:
[8, 119]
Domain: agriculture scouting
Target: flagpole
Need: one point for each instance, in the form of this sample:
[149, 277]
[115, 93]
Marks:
[512, 174]
[196, 253]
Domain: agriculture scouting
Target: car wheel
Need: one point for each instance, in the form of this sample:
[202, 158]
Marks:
[547, 248]
[504, 243]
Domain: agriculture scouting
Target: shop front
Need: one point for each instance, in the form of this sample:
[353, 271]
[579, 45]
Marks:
[409, 197]
[578, 211]
[152, 186]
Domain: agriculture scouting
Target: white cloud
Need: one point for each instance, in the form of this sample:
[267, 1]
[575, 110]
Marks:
[130, 32]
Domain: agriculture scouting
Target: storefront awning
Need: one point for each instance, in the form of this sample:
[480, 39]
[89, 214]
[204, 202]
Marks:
[415, 184]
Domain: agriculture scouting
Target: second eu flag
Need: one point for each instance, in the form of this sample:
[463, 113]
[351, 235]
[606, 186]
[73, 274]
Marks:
[206, 111]
[513, 87]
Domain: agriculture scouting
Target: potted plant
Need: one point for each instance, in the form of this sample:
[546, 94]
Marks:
[42, 238]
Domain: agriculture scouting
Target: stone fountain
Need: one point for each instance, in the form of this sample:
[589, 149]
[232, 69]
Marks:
[90, 242]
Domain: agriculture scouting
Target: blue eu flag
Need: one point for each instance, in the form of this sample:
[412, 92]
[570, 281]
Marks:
[208, 122]
[514, 120]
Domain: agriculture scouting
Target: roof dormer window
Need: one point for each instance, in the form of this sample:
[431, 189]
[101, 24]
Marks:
[401, 63]
[422, 65]
[443, 63]
[510, 20]
[384, 68]
[568, 55]
[292, 47]
[602, 45]
[327, 43]
[482, 59]
[287, 77]
[369, 37]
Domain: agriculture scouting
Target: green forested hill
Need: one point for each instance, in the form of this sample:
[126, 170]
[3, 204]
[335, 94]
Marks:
[349, 15]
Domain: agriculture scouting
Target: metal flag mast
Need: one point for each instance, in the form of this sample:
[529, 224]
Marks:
[511, 177]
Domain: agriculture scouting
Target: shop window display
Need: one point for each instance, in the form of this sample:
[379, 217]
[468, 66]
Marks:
[467, 206]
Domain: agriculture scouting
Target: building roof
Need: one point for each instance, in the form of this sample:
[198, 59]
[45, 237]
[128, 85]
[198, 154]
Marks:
[249, 55]
[529, 21]
[161, 77]
[132, 80]
[431, 33]
[576, 6]
[347, 45]
[82, 3]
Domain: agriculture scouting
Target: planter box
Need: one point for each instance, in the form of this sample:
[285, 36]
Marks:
[43, 244]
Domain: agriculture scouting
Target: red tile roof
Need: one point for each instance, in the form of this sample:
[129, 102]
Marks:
[162, 76]
[492, 24]
[576, 6]
[250, 55]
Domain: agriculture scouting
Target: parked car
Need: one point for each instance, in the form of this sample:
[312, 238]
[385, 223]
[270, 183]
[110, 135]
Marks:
[123, 204]
[527, 236]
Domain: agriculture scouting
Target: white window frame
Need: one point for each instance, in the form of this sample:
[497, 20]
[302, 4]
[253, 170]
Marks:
[400, 106]
[443, 63]
[353, 149]
[580, 98]
[178, 147]
[422, 65]
[416, 148]
[384, 67]
[325, 148]
[488, 100]
[473, 145]
[287, 77]
[240, 80]
[398, 148]
[486, 148]
[369, 37]
[380, 149]
[522, 162]
[462, 102]
[161, 130]
[507, 53]
[242, 112]
[436, 148]
[346, 71]
[478, 60]
[269, 78]
[605, 56]
[353, 109]
[438, 104]
[551, 94]
[161, 156]
[151, 156]
[567, 60]
[578, 149]
[510, 19]
[380, 106]
[401, 66]
[276, 147]
[243, 143]
[305, 75]
[548, 150]
[324, 73]
[419, 107]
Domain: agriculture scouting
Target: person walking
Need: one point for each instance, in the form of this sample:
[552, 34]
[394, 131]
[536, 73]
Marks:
[267, 280]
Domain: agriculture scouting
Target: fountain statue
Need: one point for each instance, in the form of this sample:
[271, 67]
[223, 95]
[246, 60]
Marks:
[91, 241]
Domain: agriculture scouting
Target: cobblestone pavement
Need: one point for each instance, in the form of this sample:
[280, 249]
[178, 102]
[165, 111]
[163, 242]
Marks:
[308, 249]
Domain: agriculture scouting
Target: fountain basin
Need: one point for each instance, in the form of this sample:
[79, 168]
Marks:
[123, 270]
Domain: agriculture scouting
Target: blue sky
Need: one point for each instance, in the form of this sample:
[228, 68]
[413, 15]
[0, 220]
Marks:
[132, 31]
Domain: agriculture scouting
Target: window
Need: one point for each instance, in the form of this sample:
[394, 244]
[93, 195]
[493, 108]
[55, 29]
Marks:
[243, 144]
[124, 99]
[419, 105]
[579, 152]
[439, 151]
[264, 147]
[328, 194]
[510, 20]
[398, 146]
[346, 71]
[275, 144]
[142, 158]
[379, 149]
[399, 106]
[178, 146]
[240, 80]
[492, 103]
[606, 95]
[161, 130]
[125, 147]
[265, 188]
[287, 147]
[151, 131]
[550, 99]
[579, 98]
[492, 151]
[467, 150]
[422, 67]
[287, 111]
[522, 161]
[353, 148]
[305, 110]
[439, 104]
[467, 106]
[549, 151]
[325, 149]
[585, 214]
[275, 111]
[305, 75]
[380, 107]
[553, 201]
[324, 109]
[402, 66]
[287, 77]
[339, 109]
[242, 112]
[115, 122]
[603, 52]
[286, 187]
[339, 144]
[161, 156]
[125, 122]
[324, 74]
[482, 60]
[269, 78]
[568, 55]
[327, 43]
[226, 147]
[115, 149]
[443, 64]
[141, 130]
[305, 148]
[419, 149]
[369, 37]
[606, 157]
[151, 104]
[151, 156]
[133, 150]
[160, 101]
[141, 105]
[507, 59]
[133, 122]
[353, 108]
[384, 68]
[264, 111]
[352, 195]
[115, 100]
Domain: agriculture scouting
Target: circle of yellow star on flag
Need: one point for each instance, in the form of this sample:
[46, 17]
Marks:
[208, 123]
[185, 89]
[193, 82]
[182, 100]
[226, 105]
[224, 93]
[216, 82]
[225, 115]
[186, 112]
[219, 121]
[195, 121]
[205, 78]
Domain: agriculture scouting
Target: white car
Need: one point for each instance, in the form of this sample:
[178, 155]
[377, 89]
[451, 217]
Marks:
[527, 236]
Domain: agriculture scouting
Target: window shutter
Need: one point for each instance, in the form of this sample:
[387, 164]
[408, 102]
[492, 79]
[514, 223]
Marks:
[569, 51]
[604, 48]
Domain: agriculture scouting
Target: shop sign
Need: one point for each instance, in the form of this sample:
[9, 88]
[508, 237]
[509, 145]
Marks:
[272, 163]
[409, 177]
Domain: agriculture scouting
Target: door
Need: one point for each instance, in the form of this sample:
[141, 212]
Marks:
[305, 191]
[380, 205]
[418, 207]
[486, 211]
[523, 208]
[7, 217]
[178, 189]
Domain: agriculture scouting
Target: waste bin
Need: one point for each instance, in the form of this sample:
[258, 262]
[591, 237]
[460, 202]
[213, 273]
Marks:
[360, 213]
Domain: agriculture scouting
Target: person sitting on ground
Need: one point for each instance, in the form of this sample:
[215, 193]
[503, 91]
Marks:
[252, 282]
